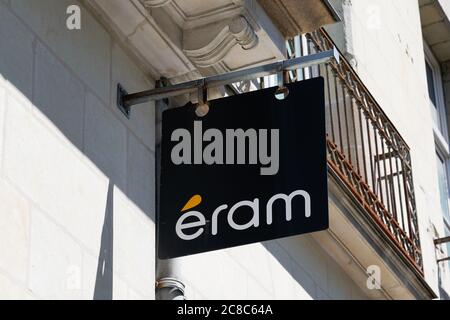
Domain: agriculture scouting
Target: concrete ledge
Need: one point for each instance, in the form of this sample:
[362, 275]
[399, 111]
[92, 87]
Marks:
[293, 17]
[436, 27]
[356, 242]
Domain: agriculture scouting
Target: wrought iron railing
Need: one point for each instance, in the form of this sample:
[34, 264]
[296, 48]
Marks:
[365, 150]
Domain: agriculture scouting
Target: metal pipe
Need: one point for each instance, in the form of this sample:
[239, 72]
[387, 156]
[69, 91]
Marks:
[443, 260]
[128, 100]
[442, 240]
[168, 285]
[439, 242]
[169, 289]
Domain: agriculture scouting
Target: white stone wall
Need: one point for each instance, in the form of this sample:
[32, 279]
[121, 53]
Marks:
[76, 177]
[385, 37]
[291, 268]
[446, 6]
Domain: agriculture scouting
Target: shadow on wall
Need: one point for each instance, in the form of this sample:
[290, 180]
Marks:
[104, 280]
[287, 262]
[61, 96]
[88, 122]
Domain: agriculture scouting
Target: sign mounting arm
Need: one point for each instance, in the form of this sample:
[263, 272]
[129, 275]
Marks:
[125, 100]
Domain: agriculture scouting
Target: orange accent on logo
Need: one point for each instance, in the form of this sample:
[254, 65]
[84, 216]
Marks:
[192, 203]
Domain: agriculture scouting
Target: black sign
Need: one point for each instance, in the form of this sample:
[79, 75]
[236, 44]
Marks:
[253, 169]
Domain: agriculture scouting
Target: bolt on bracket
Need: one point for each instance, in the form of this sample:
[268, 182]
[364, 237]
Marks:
[125, 109]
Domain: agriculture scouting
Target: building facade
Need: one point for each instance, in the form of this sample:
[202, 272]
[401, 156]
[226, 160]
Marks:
[79, 179]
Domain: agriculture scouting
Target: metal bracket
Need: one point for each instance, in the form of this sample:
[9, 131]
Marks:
[443, 259]
[439, 242]
[202, 107]
[123, 107]
[282, 91]
[125, 101]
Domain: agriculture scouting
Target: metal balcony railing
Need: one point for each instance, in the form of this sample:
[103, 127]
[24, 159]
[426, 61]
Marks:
[365, 151]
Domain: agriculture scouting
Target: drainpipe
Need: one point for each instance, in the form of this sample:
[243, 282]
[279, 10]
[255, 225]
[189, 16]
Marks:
[168, 283]
[169, 289]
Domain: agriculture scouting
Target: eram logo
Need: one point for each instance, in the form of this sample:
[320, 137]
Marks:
[197, 227]
[237, 140]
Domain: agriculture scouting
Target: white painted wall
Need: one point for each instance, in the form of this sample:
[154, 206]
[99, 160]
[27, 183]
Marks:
[291, 268]
[76, 177]
[385, 38]
[446, 6]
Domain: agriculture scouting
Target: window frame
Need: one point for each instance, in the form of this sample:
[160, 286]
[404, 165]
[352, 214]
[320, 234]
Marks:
[441, 135]
[441, 130]
[444, 156]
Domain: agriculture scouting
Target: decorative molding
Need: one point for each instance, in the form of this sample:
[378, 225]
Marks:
[212, 31]
[293, 17]
[155, 3]
[176, 41]
[243, 33]
[237, 32]
[187, 21]
[214, 51]
[190, 21]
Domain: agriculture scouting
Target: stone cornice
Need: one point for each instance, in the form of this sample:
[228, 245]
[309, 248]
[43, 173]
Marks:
[237, 32]
[189, 38]
[155, 3]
